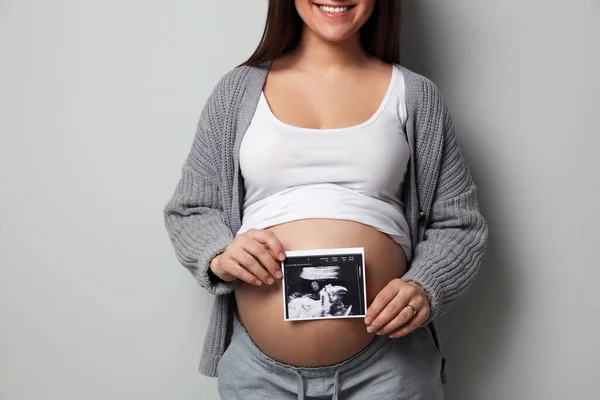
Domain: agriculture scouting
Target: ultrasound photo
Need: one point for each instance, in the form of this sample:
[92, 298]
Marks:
[320, 284]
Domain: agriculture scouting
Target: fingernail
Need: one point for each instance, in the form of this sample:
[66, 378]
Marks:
[378, 333]
[367, 320]
[370, 329]
[258, 283]
[278, 274]
[270, 281]
[281, 256]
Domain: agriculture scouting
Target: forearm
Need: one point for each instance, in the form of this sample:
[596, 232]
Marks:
[447, 261]
[197, 229]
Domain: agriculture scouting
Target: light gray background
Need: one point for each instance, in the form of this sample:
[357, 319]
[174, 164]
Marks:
[99, 101]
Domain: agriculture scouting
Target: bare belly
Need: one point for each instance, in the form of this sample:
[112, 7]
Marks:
[324, 342]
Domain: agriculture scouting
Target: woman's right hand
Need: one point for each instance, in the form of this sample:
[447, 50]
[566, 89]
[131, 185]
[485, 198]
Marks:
[253, 257]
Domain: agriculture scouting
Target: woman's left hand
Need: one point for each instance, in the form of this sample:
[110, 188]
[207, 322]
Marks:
[398, 309]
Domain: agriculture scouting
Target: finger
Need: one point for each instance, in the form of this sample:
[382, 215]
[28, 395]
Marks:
[380, 302]
[264, 256]
[252, 233]
[415, 322]
[271, 240]
[273, 254]
[391, 310]
[251, 264]
[405, 315]
[232, 267]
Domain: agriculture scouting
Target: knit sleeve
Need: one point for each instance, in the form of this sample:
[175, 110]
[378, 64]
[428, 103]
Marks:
[194, 215]
[448, 258]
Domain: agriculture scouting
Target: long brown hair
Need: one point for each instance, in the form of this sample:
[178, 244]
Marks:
[380, 35]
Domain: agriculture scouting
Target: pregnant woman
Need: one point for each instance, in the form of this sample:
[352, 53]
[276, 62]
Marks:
[322, 140]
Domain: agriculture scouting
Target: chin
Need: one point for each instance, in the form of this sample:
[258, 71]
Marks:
[334, 35]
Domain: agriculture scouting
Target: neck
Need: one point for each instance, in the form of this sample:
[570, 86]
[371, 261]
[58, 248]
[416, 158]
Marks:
[316, 54]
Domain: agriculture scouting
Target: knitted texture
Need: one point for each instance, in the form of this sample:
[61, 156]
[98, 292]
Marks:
[449, 235]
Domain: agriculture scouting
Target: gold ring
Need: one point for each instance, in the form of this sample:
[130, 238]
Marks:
[412, 308]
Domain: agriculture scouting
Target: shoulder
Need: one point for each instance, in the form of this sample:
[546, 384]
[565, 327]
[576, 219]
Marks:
[236, 79]
[420, 90]
[224, 91]
[423, 98]
[232, 79]
[228, 93]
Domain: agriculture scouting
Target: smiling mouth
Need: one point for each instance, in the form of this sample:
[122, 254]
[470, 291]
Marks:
[334, 9]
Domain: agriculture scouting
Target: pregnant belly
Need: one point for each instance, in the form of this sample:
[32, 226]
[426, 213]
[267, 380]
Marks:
[322, 342]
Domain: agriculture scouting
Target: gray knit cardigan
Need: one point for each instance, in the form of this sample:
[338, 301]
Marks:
[449, 234]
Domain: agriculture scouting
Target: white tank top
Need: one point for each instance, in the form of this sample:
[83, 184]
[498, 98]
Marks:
[354, 173]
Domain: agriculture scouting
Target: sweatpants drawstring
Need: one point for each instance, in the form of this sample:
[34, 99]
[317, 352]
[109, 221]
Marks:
[336, 385]
[300, 386]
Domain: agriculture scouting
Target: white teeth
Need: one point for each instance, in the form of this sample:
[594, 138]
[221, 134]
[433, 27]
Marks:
[334, 9]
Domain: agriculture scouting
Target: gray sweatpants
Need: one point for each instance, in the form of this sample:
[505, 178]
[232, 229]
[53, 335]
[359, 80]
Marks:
[395, 369]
